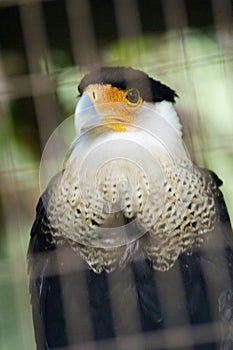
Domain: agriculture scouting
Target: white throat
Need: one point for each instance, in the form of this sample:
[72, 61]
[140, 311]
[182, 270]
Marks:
[167, 111]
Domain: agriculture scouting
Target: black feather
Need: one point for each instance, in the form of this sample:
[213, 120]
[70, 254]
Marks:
[126, 78]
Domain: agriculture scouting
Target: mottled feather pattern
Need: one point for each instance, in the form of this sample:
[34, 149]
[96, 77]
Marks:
[184, 215]
[189, 213]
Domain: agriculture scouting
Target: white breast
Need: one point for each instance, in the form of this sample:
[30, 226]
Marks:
[110, 171]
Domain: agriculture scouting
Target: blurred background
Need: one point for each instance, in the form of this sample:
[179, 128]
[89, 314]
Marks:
[45, 49]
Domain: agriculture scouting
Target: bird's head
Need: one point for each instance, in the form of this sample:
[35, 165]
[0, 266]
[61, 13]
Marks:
[117, 98]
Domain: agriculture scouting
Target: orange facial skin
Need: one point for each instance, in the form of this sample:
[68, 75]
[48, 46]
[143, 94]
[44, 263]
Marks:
[116, 106]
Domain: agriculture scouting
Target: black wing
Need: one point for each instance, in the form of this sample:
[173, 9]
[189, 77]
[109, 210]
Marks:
[72, 304]
[43, 282]
[225, 297]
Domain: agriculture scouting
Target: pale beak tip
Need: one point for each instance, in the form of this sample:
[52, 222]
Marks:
[85, 114]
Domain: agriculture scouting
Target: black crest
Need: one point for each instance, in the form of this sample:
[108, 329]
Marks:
[125, 78]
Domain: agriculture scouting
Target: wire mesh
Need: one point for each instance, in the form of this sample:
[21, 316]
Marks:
[46, 47]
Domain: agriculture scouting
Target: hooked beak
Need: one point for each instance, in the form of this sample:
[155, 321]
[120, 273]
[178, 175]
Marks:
[86, 115]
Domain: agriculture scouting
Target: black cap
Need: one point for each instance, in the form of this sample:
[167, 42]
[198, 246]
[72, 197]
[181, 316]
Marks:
[126, 78]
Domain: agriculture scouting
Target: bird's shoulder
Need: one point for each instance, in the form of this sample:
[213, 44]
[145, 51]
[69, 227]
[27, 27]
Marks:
[216, 183]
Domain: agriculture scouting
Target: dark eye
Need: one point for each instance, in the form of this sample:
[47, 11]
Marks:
[133, 96]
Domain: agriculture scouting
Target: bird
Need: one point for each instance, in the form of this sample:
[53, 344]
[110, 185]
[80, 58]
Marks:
[131, 240]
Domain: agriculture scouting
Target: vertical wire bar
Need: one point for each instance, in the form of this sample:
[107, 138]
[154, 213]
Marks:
[223, 22]
[129, 28]
[37, 50]
[124, 323]
[222, 13]
[174, 14]
[128, 19]
[176, 21]
[82, 33]
[74, 264]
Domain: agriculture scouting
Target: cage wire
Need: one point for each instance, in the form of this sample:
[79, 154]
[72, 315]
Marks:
[46, 47]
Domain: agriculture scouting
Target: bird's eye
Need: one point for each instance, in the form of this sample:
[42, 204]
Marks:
[133, 96]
